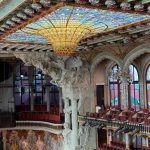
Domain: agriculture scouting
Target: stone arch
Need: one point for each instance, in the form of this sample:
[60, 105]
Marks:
[145, 48]
[102, 56]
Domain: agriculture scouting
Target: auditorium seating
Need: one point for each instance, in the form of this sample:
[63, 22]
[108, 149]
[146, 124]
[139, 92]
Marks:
[40, 116]
[112, 147]
[39, 108]
[145, 148]
[111, 113]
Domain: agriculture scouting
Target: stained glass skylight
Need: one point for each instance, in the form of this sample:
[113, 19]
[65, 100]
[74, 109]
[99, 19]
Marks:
[66, 26]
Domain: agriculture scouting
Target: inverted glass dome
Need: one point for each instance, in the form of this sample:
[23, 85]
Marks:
[65, 27]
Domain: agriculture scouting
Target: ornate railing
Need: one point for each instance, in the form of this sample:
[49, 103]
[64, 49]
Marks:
[116, 124]
[40, 125]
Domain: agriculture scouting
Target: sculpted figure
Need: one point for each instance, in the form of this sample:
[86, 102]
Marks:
[40, 144]
[25, 145]
[14, 141]
[67, 136]
[31, 139]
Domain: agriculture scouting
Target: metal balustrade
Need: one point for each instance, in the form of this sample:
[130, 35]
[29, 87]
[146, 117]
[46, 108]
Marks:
[128, 126]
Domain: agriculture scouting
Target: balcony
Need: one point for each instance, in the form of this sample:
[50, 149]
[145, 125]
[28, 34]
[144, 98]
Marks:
[40, 125]
[40, 116]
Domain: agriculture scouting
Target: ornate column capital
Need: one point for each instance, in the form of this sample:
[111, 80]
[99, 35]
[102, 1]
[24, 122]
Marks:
[67, 110]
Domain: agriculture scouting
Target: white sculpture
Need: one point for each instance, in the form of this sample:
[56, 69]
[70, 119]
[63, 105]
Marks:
[67, 137]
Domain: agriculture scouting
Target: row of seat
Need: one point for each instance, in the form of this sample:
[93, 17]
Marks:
[145, 148]
[41, 108]
[118, 143]
[38, 116]
[112, 147]
[117, 114]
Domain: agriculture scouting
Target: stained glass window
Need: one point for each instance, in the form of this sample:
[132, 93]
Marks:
[148, 86]
[37, 86]
[134, 89]
[76, 18]
[114, 87]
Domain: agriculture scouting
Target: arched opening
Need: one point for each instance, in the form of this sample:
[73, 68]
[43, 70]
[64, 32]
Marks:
[134, 88]
[114, 88]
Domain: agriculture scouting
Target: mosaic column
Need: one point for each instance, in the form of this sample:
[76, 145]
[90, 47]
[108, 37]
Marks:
[124, 95]
[142, 95]
[74, 123]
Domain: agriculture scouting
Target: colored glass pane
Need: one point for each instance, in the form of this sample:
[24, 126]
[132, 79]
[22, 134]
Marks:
[148, 74]
[134, 94]
[114, 94]
[133, 73]
[113, 71]
[95, 20]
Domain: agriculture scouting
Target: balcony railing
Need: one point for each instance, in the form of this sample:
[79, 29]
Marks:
[116, 124]
[41, 125]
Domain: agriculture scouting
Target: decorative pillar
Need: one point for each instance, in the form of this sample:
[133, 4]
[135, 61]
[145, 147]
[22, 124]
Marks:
[4, 139]
[107, 95]
[67, 112]
[106, 91]
[67, 131]
[48, 98]
[127, 141]
[74, 123]
[124, 95]
[60, 100]
[142, 102]
[31, 74]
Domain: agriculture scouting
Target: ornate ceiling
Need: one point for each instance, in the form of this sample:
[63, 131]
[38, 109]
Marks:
[133, 31]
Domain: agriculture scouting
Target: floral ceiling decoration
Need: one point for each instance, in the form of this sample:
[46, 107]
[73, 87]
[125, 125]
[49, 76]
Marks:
[65, 27]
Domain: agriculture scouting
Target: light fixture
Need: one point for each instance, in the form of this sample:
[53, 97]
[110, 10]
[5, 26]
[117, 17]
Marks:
[22, 76]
